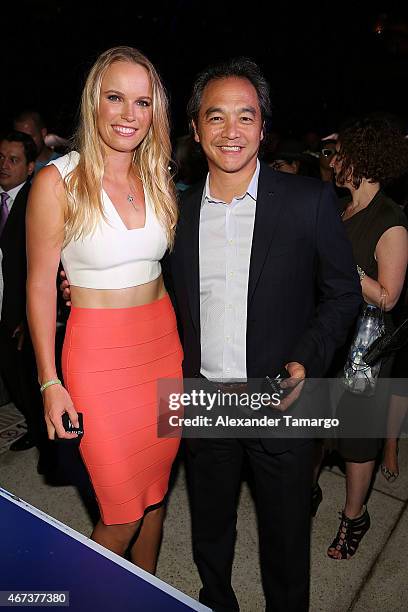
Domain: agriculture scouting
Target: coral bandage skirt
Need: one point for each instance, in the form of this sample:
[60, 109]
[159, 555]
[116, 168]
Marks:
[112, 359]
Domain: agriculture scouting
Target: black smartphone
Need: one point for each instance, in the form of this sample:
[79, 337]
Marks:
[272, 384]
[69, 427]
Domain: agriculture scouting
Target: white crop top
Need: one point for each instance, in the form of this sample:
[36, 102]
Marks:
[113, 257]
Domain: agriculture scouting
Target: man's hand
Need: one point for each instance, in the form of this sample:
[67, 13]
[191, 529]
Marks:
[19, 334]
[297, 380]
[65, 288]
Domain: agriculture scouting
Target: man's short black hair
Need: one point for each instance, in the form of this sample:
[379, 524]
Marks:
[240, 67]
[30, 150]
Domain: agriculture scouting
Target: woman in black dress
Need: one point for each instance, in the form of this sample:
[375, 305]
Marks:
[369, 153]
[398, 407]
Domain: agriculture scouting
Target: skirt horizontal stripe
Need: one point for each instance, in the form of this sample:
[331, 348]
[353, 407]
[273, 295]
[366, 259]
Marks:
[122, 399]
[123, 356]
[89, 384]
[115, 387]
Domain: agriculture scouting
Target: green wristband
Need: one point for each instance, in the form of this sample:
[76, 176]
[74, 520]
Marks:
[48, 383]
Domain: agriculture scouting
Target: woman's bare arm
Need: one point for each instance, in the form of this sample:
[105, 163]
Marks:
[45, 231]
[392, 256]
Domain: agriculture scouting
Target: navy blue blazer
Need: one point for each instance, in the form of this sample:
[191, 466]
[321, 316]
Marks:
[303, 289]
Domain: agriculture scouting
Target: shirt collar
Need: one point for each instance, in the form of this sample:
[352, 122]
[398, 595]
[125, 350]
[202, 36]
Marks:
[252, 189]
[13, 192]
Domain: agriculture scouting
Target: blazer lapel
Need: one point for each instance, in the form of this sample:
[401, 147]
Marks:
[191, 209]
[269, 203]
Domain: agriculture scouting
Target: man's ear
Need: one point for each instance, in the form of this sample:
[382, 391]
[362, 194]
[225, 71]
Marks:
[31, 167]
[262, 131]
[196, 136]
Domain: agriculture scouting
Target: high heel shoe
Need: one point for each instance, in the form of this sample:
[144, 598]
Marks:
[389, 475]
[317, 497]
[349, 535]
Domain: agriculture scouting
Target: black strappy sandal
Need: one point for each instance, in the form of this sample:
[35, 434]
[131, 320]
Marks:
[349, 535]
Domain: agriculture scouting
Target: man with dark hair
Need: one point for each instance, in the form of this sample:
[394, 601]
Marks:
[263, 278]
[30, 122]
[17, 365]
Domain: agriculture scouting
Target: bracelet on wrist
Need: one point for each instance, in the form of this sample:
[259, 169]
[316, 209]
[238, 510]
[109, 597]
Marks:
[361, 273]
[49, 383]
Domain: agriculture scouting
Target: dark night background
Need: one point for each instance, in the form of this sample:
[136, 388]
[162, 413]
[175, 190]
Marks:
[324, 61]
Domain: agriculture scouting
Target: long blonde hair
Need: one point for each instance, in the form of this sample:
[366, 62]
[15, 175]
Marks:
[151, 159]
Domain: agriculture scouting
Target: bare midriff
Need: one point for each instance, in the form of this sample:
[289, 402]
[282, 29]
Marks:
[82, 297]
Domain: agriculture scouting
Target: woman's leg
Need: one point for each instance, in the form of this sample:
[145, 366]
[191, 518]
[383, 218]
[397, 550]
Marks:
[115, 537]
[145, 549]
[358, 480]
[389, 465]
[396, 414]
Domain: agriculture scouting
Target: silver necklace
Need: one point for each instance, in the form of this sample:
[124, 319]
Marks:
[131, 199]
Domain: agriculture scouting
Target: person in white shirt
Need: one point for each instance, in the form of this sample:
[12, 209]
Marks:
[264, 279]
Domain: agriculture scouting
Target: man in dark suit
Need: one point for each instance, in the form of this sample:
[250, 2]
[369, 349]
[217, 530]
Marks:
[17, 364]
[263, 278]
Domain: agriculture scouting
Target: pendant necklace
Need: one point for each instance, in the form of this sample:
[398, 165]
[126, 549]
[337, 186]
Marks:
[131, 199]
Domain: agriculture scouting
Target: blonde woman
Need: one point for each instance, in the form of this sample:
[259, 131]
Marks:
[107, 209]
